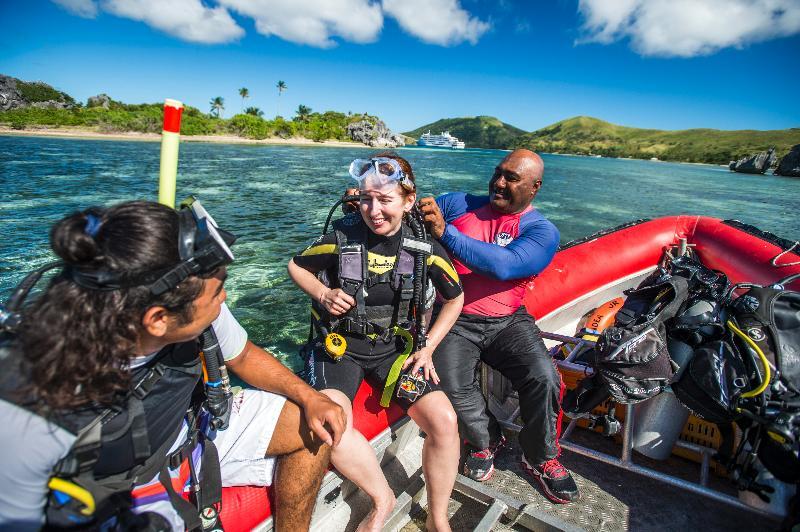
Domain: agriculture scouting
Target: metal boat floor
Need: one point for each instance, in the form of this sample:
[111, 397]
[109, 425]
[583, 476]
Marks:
[612, 499]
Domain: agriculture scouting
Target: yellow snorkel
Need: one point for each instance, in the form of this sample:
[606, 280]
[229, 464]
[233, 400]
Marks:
[170, 142]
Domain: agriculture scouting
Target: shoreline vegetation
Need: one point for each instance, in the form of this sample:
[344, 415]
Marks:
[585, 135]
[87, 134]
[139, 120]
[135, 136]
[35, 108]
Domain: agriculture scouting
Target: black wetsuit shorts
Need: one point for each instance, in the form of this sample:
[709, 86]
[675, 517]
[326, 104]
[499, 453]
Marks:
[347, 374]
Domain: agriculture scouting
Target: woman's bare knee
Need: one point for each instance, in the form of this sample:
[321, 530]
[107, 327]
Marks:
[435, 416]
[342, 400]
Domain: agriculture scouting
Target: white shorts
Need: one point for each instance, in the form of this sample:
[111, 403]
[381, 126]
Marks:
[243, 445]
[242, 450]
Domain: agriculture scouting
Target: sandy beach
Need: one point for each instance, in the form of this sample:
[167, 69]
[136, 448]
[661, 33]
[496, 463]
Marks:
[88, 134]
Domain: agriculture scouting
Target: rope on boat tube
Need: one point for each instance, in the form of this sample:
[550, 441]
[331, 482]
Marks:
[774, 261]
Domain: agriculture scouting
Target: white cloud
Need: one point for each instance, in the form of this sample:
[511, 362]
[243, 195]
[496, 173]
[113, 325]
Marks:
[441, 22]
[82, 8]
[687, 28]
[313, 22]
[189, 20]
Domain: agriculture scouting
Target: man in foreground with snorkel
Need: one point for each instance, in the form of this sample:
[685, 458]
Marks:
[112, 411]
[498, 244]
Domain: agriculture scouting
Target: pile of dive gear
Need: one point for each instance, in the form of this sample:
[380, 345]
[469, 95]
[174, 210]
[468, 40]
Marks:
[406, 318]
[730, 353]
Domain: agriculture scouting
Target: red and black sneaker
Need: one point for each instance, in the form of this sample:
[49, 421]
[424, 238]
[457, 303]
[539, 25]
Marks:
[479, 464]
[555, 480]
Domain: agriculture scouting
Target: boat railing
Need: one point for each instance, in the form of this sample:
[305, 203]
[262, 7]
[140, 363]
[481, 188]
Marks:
[504, 404]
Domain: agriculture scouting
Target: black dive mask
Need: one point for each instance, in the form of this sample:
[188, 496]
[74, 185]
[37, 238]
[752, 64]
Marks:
[202, 245]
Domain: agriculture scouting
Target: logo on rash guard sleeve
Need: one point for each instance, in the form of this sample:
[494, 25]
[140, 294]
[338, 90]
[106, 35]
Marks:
[503, 239]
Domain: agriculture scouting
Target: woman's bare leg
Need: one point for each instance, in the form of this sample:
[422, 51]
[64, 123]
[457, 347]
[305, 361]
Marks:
[355, 459]
[435, 415]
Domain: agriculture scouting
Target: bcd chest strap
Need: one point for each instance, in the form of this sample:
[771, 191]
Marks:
[356, 280]
[111, 494]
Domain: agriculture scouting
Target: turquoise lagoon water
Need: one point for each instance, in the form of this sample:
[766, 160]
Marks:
[275, 198]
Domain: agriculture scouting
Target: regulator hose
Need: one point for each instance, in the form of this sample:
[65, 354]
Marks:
[420, 277]
[218, 387]
[764, 362]
[344, 199]
[10, 315]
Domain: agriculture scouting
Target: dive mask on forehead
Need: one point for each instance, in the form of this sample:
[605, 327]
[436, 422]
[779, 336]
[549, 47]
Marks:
[202, 245]
[379, 171]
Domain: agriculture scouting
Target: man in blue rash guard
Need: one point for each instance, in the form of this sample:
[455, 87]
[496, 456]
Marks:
[498, 244]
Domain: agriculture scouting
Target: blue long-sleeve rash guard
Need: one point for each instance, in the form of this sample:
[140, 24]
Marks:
[530, 251]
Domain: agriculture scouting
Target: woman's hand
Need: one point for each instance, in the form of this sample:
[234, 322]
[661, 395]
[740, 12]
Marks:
[336, 301]
[423, 359]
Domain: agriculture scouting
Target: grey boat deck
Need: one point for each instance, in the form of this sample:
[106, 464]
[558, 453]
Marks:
[612, 499]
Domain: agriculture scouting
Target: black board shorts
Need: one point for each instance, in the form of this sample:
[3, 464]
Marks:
[321, 372]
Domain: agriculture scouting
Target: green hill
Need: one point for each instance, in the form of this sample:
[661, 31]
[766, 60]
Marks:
[586, 135]
[476, 132]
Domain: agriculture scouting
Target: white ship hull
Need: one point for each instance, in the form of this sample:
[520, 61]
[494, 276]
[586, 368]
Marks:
[444, 140]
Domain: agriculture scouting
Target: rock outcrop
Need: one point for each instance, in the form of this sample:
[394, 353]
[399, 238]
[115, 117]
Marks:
[10, 98]
[790, 164]
[376, 135]
[755, 164]
[101, 100]
[17, 94]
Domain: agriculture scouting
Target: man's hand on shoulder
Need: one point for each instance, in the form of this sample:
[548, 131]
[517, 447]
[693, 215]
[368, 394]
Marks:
[433, 216]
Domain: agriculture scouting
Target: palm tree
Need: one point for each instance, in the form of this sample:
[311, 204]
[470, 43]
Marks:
[244, 93]
[303, 113]
[281, 87]
[255, 111]
[217, 106]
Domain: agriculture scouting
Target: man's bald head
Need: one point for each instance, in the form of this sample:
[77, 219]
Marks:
[527, 162]
[516, 181]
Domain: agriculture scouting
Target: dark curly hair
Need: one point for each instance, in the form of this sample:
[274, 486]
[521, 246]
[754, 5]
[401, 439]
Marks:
[78, 342]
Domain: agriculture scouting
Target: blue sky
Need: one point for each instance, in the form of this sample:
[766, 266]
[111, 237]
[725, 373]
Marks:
[666, 64]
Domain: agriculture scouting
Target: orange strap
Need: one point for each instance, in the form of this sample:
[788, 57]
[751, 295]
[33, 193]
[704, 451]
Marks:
[156, 488]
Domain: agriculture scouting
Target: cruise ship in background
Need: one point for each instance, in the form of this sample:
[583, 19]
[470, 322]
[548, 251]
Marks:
[445, 140]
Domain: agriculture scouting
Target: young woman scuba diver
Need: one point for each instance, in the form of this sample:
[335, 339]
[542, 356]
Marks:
[367, 280]
[106, 410]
